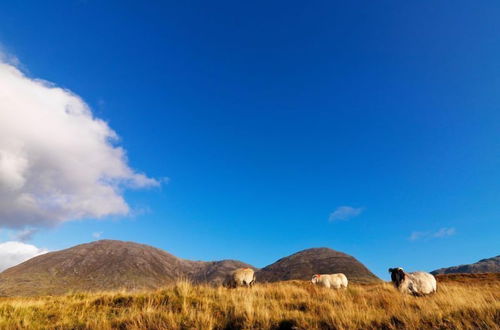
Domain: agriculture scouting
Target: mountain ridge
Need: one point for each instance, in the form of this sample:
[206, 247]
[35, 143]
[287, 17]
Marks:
[487, 265]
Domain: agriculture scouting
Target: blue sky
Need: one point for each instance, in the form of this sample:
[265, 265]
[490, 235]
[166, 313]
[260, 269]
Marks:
[267, 117]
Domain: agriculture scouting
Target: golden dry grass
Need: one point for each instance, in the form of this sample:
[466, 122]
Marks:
[286, 305]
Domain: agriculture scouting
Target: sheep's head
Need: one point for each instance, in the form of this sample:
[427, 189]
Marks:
[315, 278]
[397, 275]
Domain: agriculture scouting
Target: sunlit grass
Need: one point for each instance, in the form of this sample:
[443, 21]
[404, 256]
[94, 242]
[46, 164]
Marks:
[280, 305]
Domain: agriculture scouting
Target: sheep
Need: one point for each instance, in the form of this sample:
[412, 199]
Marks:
[335, 281]
[416, 283]
[241, 277]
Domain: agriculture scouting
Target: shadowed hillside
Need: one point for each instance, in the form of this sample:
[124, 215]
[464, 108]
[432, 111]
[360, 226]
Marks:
[302, 265]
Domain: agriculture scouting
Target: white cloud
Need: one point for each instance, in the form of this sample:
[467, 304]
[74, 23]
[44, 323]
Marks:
[97, 234]
[57, 161]
[443, 232]
[345, 213]
[13, 253]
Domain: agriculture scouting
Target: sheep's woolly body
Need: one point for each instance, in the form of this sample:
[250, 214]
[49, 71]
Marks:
[335, 281]
[242, 277]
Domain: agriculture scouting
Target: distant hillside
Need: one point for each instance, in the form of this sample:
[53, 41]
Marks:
[476, 278]
[302, 265]
[491, 265]
[107, 265]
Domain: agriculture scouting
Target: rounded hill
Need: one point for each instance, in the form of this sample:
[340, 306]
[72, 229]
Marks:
[303, 264]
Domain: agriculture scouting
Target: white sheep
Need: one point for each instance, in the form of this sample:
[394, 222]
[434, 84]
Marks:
[416, 283]
[335, 281]
[241, 277]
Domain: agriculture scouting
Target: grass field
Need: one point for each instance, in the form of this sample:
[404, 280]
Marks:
[465, 303]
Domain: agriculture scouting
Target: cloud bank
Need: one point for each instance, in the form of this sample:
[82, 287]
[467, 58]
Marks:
[57, 161]
[345, 213]
[13, 253]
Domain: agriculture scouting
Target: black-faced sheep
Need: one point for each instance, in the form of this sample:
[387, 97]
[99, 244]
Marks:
[417, 283]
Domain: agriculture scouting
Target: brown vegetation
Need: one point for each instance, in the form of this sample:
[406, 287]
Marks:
[284, 305]
[470, 279]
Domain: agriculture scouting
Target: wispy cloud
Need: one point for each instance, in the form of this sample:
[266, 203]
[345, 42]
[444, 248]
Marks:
[415, 235]
[7, 57]
[443, 232]
[97, 234]
[25, 234]
[345, 213]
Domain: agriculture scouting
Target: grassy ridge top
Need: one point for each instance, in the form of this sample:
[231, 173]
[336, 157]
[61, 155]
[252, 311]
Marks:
[283, 305]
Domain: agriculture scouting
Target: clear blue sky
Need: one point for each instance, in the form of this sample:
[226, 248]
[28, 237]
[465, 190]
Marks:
[268, 116]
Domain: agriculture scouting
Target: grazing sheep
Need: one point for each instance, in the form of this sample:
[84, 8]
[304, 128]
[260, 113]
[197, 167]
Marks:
[241, 277]
[416, 283]
[335, 281]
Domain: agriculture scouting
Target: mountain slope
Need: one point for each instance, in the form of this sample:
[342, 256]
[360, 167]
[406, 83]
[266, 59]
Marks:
[491, 265]
[302, 265]
[107, 265]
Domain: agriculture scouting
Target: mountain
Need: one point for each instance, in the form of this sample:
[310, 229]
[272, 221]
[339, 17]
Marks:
[302, 265]
[107, 265]
[491, 265]
[113, 265]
